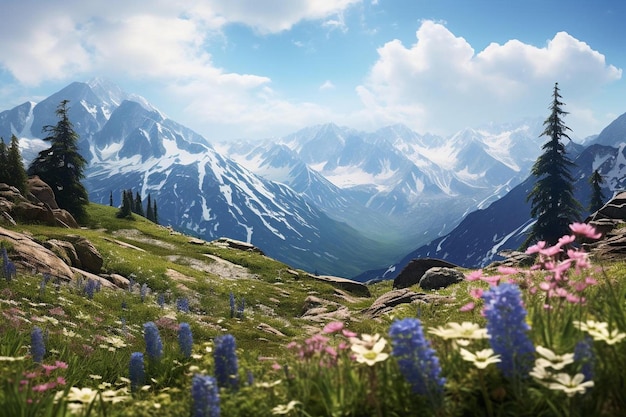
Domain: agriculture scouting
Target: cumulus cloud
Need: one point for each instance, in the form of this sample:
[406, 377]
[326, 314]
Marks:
[327, 85]
[440, 84]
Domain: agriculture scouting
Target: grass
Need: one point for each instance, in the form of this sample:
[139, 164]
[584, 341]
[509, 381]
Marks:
[307, 371]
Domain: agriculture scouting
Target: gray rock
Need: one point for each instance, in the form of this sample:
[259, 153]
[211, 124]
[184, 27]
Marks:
[440, 277]
[386, 302]
[415, 269]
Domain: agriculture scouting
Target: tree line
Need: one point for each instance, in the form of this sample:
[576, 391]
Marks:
[134, 205]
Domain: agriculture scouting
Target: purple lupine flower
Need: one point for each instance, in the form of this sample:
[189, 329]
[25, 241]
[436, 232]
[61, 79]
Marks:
[136, 371]
[182, 304]
[185, 339]
[417, 359]
[37, 345]
[90, 288]
[225, 357]
[232, 305]
[143, 291]
[205, 396]
[161, 300]
[154, 346]
[583, 354]
[508, 330]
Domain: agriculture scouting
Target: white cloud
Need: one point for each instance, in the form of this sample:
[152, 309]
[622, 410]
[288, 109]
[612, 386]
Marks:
[327, 85]
[440, 84]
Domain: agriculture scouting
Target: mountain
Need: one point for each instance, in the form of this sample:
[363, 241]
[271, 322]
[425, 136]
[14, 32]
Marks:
[395, 185]
[483, 234]
[130, 144]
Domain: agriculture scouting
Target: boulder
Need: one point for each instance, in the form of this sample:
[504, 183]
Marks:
[64, 219]
[119, 281]
[236, 244]
[353, 287]
[97, 278]
[64, 250]
[440, 277]
[89, 257]
[320, 310]
[31, 256]
[386, 302]
[34, 213]
[415, 269]
[42, 192]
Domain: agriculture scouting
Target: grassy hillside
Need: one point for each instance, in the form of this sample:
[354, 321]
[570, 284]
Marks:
[80, 363]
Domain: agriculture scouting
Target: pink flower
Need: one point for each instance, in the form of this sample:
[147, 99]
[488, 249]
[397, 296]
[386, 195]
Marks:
[60, 365]
[474, 275]
[476, 293]
[48, 368]
[60, 380]
[536, 248]
[492, 280]
[348, 333]
[583, 229]
[591, 281]
[468, 307]
[332, 327]
[551, 251]
[566, 240]
[276, 366]
[507, 270]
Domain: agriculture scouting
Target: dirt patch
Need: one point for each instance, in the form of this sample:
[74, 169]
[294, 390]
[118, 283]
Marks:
[136, 235]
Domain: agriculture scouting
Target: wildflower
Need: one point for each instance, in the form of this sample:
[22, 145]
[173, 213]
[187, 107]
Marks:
[182, 305]
[480, 359]
[205, 396]
[286, 409]
[241, 307]
[185, 339]
[136, 372]
[417, 360]
[465, 330]
[570, 385]
[600, 331]
[81, 395]
[37, 346]
[143, 291]
[474, 275]
[161, 300]
[583, 229]
[583, 354]
[90, 288]
[333, 327]
[225, 357]
[371, 351]
[540, 373]
[507, 329]
[154, 346]
[552, 360]
[114, 396]
[467, 307]
[232, 305]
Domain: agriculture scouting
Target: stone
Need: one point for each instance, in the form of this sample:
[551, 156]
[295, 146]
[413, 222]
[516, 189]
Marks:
[320, 310]
[236, 244]
[90, 258]
[119, 281]
[42, 192]
[440, 277]
[64, 250]
[269, 329]
[31, 256]
[386, 302]
[415, 269]
[97, 278]
[64, 219]
[353, 287]
[34, 213]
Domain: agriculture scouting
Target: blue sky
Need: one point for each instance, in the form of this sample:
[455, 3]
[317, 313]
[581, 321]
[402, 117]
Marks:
[263, 68]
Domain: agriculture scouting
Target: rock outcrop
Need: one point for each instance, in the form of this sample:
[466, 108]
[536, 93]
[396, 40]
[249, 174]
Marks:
[386, 302]
[415, 269]
[440, 277]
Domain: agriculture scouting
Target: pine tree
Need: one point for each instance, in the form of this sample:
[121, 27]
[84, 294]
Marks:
[16, 173]
[125, 211]
[156, 215]
[552, 199]
[149, 210]
[4, 162]
[597, 196]
[62, 167]
[111, 198]
[138, 205]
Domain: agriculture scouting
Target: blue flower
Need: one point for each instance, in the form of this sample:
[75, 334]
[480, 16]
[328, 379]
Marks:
[225, 356]
[136, 372]
[90, 288]
[161, 300]
[417, 360]
[508, 330]
[143, 291]
[205, 396]
[182, 304]
[37, 345]
[583, 354]
[154, 346]
[185, 339]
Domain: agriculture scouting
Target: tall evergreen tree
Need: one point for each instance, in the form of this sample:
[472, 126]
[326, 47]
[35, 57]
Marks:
[16, 173]
[149, 210]
[125, 211]
[156, 213]
[61, 166]
[552, 199]
[597, 196]
[4, 162]
[138, 205]
[111, 198]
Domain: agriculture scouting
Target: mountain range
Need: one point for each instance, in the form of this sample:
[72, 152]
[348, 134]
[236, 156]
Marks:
[325, 199]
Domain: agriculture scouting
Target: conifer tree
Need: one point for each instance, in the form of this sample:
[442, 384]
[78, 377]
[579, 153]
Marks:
[552, 199]
[4, 162]
[149, 210]
[597, 196]
[125, 211]
[61, 166]
[138, 206]
[111, 198]
[16, 175]
[156, 215]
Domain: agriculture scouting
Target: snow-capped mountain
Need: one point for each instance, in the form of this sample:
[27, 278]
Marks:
[395, 184]
[483, 234]
[130, 144]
